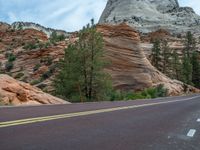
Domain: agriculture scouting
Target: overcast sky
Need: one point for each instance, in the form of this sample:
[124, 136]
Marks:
[69, 15]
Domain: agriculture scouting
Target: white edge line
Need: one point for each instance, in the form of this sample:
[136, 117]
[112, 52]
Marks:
[191, 133]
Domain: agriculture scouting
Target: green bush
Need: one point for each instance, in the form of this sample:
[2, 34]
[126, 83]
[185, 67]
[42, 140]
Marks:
[161, 91]
[149, 93]
[46, 45]
[30, 46]
[115, 95]
[10, 56]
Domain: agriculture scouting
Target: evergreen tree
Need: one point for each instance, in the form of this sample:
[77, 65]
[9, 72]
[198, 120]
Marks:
[166, 54]
[190, 44]
[176, 66]
[67, 83]
[187, 71]
[82, 77]
[196, 69]
[156, 54]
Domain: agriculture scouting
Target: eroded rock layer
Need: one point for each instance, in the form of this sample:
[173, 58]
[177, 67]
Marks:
[130, 68]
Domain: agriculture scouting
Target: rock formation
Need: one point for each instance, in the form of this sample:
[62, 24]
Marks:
[150, 15]
[130, 69]
[18, 93]
[36, 65]
[30, 25]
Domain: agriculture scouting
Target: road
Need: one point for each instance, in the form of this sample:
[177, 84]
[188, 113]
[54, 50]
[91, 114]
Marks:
[161, 124]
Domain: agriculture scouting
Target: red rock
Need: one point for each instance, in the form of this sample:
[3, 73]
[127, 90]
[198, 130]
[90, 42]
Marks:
[18, 93]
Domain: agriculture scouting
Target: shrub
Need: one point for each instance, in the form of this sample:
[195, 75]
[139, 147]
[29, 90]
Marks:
[161, 91]
[152, 92]
[47, 45]
[47, 75]
[8, 66]
[30, 46]
[11, 57]
[149, 93]
[56, 38]
[36, 67]
[115, 95]
[19, 75]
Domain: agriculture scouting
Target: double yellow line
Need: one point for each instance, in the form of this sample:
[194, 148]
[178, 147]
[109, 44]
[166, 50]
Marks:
[78, 114]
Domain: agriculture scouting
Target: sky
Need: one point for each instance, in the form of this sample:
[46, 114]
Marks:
[69, 15]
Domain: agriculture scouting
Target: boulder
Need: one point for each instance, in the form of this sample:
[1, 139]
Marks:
[13, 92]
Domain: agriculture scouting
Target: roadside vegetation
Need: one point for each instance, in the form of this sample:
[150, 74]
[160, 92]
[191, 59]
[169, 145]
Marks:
[148, 93]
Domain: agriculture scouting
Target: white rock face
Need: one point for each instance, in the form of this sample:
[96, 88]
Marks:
[29, 25]
[151, 15]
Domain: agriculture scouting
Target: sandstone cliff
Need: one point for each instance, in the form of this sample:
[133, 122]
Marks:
[130, 69]
[13, 92]
[150, 15]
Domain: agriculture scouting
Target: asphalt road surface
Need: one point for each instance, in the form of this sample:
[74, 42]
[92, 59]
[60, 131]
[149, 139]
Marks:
[160, 124]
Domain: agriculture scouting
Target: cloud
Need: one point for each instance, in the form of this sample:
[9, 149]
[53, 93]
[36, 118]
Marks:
[68, 15]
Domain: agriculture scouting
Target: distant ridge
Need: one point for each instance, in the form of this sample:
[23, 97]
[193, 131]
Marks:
[30, 25]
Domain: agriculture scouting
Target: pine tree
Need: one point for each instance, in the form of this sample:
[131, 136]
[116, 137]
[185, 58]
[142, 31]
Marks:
[187, 70]
[196, 69]
[82, 77]
[68, 82]
[176, 66]
[166, 54]
[156, 54]
[190, 44]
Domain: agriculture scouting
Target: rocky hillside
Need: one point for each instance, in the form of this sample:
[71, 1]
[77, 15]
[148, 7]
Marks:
[28, 55]
[150, 15]
[13, 92]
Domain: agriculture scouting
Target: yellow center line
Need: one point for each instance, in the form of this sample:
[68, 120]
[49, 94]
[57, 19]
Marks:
[77, 114]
